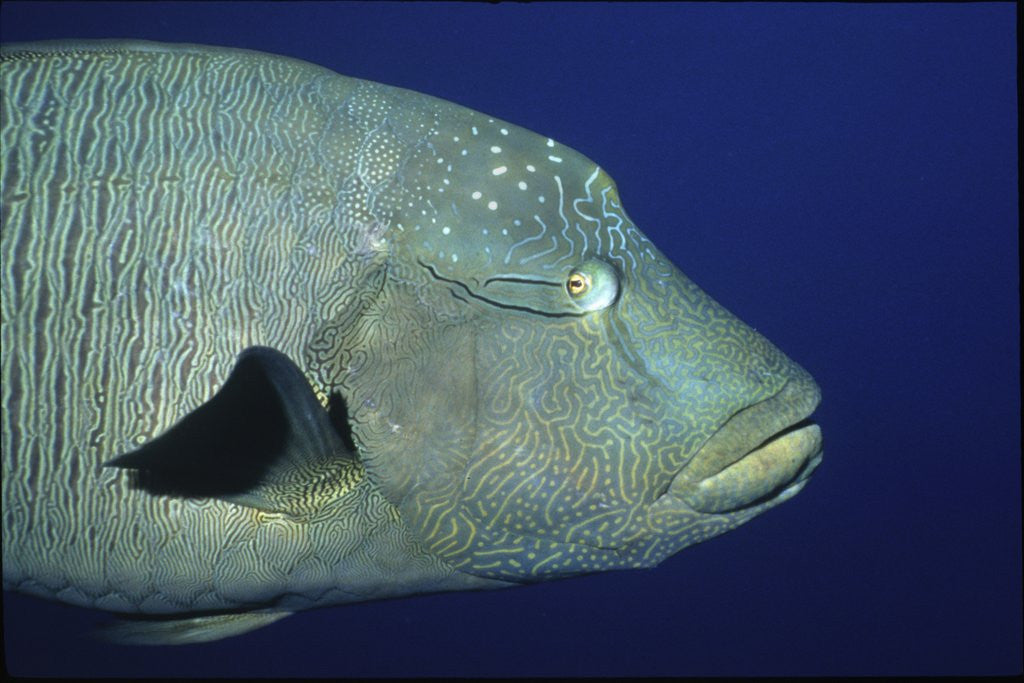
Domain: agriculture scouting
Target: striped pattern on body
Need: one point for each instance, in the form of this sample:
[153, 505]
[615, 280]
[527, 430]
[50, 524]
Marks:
[163, 209]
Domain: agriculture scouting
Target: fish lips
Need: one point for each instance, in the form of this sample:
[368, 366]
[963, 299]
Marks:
[763, 452]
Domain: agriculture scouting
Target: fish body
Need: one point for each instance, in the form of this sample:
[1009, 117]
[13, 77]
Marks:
[276, 338]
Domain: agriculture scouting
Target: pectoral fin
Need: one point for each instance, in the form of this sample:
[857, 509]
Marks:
[260, 441]
[163, 631]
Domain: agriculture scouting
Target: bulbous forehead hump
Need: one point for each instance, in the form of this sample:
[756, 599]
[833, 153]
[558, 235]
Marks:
[499, 199]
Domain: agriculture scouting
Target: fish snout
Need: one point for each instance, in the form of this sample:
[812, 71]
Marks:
[765, 451]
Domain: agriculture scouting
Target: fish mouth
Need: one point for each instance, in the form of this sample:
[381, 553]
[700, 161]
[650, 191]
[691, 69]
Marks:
[764, 452]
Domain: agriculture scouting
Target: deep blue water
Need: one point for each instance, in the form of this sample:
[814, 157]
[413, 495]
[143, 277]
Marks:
[843, 178]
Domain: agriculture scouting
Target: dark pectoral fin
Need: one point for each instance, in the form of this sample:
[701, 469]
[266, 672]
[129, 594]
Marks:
[261, 437]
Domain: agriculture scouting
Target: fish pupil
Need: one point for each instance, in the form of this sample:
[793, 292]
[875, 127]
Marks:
[577, 284]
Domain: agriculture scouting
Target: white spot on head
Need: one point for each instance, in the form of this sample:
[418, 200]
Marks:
[495, 149]
[522, 185]
[551, 143]
[464, 152]
[485, 231]
[445, 230]
[455, 258]
[477, 195]
[540, 199]
[492, 205]
[504, 231]
[531, 168]
[475, 131]
[557, 160]
[504, 131]
[455, 139]
[499, 170]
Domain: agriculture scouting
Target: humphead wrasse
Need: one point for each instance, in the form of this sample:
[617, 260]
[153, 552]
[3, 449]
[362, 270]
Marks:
[275, 339]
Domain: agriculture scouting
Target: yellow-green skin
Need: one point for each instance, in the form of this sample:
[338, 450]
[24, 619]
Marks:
[167, 206]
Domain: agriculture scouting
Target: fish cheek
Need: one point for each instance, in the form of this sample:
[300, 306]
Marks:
[563, 451]
[503, 432]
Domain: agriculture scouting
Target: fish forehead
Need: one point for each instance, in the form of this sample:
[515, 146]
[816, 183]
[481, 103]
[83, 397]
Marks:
[494, 199]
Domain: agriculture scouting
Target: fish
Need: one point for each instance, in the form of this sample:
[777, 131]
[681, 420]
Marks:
[275, 339]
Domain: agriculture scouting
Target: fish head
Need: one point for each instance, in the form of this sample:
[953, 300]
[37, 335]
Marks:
[539, 390]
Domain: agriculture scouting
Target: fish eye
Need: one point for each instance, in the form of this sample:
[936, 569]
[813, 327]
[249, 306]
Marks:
[593, 285]
[577, 284]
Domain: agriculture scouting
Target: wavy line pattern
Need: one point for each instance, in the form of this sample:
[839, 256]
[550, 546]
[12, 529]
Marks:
[164, 209]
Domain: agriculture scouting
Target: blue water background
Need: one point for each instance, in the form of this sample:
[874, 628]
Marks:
[843, 178]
